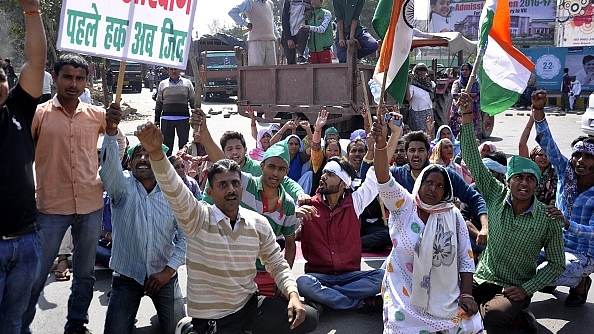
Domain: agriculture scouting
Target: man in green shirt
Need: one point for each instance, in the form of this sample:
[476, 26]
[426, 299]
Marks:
[519, 228]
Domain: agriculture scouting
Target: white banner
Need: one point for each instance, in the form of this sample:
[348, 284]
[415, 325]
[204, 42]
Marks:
[148, 31]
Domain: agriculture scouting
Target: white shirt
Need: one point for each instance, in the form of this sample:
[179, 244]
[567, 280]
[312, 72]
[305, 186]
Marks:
[438, 24]
[47, 83]
[420, 99]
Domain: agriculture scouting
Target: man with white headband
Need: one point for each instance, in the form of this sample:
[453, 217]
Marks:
[331, 243]
[575, 198]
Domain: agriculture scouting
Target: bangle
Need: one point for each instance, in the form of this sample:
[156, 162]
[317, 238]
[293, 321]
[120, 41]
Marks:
[381, 149]
[33, 12]
[368, 161]
[107, 235]
[466, 295]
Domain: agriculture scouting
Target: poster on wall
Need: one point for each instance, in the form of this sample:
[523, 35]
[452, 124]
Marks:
[575, 22]
[532, 21]
[550, 63]
[149, 32]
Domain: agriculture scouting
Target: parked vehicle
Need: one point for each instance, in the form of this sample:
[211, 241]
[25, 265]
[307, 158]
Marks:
[588, 117]
[218, 73]
[133, 75]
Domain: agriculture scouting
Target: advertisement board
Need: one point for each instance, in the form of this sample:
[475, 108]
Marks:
[152, 32]
[532, 21]
[550, 63]
[575, 23]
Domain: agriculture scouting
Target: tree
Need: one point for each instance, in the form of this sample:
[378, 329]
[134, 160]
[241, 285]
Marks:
[51, 17]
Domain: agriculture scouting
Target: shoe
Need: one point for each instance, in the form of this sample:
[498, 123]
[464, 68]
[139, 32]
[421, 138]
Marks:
[317, 306]
[576, 299]
[524, 321]
[62, 273]
[373, 304]
[79, 330]
[301, 60]
[548, 289]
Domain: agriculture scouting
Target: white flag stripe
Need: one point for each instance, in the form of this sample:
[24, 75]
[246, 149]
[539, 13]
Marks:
[504, 70]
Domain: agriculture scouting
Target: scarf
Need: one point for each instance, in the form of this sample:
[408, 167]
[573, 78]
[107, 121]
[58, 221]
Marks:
[258, 152]
[423, 83]
[435, 260]
[464, 81]
[571, 179]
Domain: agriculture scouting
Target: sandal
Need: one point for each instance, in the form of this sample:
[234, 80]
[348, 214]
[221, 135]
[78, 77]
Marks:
[62, 275]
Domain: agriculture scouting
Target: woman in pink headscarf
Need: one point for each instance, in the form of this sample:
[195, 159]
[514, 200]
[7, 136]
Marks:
[262, 144]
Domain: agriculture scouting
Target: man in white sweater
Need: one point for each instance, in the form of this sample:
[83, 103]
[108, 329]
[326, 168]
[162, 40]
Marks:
[223, 242]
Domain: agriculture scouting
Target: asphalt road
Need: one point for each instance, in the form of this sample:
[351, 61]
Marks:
[552, 315]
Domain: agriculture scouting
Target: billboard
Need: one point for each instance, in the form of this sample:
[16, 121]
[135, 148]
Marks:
[532, 21]
[152, 32]
[575, 22]
[550, 63]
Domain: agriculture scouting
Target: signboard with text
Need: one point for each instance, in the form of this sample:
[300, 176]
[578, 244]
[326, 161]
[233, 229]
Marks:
[532, 21]
[148, 31]
[575, 23]
[550, 62]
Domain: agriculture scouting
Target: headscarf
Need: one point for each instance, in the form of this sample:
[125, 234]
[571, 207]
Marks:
[131, 149]
[492, 146]
[359, 133]
[295, 164]
[423, 83]
[435, 284]
[334, 167]
[301, 145]
[546, 190]
[571, 179]
[464, 81]
[258, 152]
[453, 139]
[494, 166]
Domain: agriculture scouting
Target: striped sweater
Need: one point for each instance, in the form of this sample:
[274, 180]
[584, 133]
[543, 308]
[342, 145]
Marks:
[173, 98]
[220, 261]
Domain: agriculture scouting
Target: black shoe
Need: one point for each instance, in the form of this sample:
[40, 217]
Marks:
[548, 289]
[576, 299]
[524, 321]
[317, 306]
[372, 305]
[79, 330]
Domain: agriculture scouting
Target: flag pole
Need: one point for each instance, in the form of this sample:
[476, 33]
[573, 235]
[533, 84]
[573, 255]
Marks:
[472, 79]
[380, 107]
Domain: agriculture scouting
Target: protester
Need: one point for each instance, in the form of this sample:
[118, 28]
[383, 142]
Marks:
[457, 87]
[180, 168]
[349, 28]
[21, 238]
[171, 109]
[221, 292]
[430, 239]
[294, 36]
[320, 40]
[503, 294]
[144, 256]
[420, 93]
[69, 191]
[575, 199]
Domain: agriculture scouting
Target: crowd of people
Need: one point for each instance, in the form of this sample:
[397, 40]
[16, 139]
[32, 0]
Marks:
[453, 217]
[308, 33]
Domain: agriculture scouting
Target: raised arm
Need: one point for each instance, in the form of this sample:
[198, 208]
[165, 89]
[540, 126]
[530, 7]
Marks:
[523, 150]
[198, 118]
[31, 77]
[252, 115]
[543, 133]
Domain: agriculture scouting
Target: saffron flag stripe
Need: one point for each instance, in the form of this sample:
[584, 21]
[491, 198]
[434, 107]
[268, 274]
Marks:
[504, 70]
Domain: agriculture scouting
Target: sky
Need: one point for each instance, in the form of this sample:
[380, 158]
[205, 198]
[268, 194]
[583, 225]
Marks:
[206, 11]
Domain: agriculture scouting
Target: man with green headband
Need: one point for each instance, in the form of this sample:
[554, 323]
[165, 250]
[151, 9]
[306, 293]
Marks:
[263, 194]
[519, 227]
[575, 198]
[144, 258]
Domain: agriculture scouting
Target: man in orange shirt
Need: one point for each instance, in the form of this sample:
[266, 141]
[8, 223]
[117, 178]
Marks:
[69, 191]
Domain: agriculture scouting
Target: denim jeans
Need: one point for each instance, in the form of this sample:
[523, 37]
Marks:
[86, 229]
[125, 300]
[343, 291]
[577, 266]
[20, 262]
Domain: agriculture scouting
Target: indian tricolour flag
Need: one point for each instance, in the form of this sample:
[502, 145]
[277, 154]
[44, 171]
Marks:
[504, 71]
[393, 21]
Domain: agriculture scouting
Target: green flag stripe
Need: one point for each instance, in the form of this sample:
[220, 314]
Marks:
[494, 98]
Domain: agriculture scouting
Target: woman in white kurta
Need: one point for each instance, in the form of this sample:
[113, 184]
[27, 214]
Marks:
[428, 279]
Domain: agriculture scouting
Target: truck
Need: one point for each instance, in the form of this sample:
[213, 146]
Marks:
[280, 93]
[218, 74]
[133, 75]
[217, 65]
